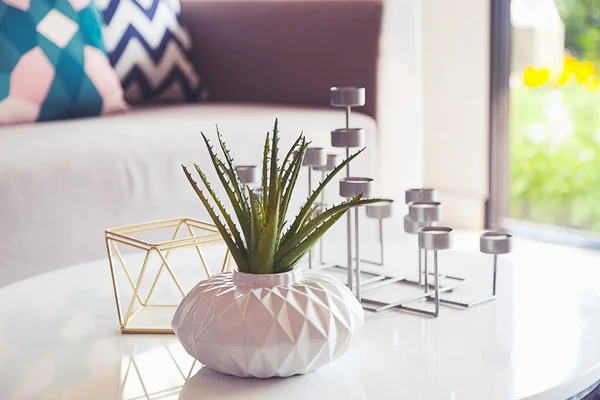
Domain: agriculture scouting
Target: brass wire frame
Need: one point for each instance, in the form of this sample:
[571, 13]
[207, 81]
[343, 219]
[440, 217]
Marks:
[124, 235]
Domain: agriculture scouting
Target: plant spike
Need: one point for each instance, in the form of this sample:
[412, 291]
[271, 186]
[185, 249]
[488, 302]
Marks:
[265, 177]
[237, 255]
[273, 182]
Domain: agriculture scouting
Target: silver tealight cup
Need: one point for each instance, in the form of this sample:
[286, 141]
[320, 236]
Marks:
[354, 185]
[425, 211]
[348, 137]
[248, 174]
[421, 194]
[348, 96]
[435, 238]
[495, 243]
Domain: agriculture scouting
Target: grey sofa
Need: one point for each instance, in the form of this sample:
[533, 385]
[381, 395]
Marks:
[63, 183]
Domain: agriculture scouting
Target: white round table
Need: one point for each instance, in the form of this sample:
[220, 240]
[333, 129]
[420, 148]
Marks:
[540, 339]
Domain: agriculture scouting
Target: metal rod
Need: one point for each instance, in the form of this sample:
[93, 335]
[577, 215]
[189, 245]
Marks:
[426, 278]
[349, 248]
[349, 221]
[436, 283]
[348, 110]
[309, 193]
[381, 241]
[322, 208]
[356, 244]
[459, 304]
[322, 192]
[347, 165]
[420, 267]
[495, 268]
[382, 306]
[321, 252]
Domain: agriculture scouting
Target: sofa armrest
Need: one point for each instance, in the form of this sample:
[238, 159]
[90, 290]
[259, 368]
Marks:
[285, 51]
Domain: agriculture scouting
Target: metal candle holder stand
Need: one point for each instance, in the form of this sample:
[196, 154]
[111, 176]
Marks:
[349, 138]
[423, 216]
[424, 213]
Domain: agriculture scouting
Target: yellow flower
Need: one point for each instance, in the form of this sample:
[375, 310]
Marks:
[584, 71]
[564, 78]
[533, 77]
[594, 84]
[570, 64]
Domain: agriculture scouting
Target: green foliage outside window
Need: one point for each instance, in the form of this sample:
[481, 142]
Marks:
[582, 27]
[555, 155]
[555, 129]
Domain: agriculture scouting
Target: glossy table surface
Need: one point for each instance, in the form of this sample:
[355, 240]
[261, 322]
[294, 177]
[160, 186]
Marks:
[540, 339]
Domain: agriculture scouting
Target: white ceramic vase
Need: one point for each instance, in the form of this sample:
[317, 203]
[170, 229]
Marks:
[256, 325]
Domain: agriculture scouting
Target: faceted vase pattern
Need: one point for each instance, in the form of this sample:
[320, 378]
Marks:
[264, 326]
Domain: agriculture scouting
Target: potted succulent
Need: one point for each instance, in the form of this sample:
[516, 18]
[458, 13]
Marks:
[267, 318]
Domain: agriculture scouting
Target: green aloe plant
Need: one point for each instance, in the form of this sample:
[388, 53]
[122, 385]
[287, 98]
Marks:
[258, 242]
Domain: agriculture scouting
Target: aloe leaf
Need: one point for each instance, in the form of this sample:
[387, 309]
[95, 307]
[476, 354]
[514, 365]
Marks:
[315, 195]
[289, 154]
[255, 224]
[298, 251]
[290, 179]
[260, 211]
[265, 169]
[232, 173]
[235, 179]
[230, 224]
[288, 243]
[273, 181]
[236, 253]
[242, 212]
[311, 213]
[235, 197]
[289, 168]
[262, 262]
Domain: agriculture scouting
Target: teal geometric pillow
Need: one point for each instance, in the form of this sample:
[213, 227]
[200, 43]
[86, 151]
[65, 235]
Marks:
[53, 64]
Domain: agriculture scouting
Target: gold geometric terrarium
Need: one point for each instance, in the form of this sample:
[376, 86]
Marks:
[154, 264]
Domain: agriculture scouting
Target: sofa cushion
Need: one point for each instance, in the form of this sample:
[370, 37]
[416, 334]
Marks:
[52, 62]
[150, 49]
[63, 183]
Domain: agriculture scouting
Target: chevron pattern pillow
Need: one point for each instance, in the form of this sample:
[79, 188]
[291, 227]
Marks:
[150, 49]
